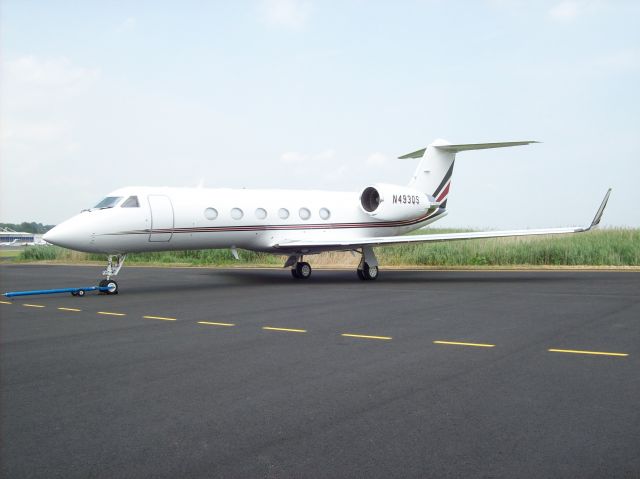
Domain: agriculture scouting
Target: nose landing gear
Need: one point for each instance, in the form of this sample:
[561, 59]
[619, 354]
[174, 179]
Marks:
[111, 285]
[112, 270]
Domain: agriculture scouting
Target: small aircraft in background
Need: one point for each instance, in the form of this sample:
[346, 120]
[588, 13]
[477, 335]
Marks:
[19, 242]
[15, 242]
[294, 223]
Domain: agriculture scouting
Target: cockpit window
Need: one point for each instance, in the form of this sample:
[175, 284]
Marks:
[131, 202]
[108, 202]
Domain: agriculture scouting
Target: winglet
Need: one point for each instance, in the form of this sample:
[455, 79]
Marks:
[598, 216]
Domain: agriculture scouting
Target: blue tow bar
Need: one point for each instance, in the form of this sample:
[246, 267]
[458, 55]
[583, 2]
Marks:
[73, 291]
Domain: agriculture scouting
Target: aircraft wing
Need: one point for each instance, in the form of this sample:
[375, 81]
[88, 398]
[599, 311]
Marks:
[321, 245]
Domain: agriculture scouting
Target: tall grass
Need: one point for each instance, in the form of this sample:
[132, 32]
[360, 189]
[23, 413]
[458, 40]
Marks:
[611, 247]
[189, 257]
[608, 247]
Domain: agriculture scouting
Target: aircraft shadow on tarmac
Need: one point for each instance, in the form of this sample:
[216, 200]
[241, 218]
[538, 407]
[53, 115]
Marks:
[391, 276]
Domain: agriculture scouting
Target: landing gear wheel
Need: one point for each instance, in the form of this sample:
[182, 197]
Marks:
[80, 292]
[303, 270]
[111, 285]
[368, 273]
[294, 273]
[74, 293]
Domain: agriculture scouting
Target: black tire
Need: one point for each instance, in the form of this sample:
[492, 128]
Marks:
[113, 287]
[370, 272]
[108, 283]
[74, 293]
[80, 292]
[294, 273]
[303, 270]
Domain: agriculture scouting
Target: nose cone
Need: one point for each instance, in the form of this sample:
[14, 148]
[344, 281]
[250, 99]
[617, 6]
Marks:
[66, 234]
[58, 235]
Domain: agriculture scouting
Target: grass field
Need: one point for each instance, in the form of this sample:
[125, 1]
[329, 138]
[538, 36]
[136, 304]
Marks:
[607, 247]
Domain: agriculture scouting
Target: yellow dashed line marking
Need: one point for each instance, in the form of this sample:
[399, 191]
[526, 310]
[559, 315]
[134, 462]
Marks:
[209, 323]
[364, 336]
[456, 343]
[348, 335]
[289, 330]
[595, 353]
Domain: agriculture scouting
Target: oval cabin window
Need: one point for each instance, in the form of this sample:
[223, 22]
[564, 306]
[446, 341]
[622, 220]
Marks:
[261, 213]
[236, 213]
[211, 213]
[305, 214]
[325, 214]
[283, 213]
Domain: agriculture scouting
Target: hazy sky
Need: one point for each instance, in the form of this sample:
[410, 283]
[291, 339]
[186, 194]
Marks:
[96, 95]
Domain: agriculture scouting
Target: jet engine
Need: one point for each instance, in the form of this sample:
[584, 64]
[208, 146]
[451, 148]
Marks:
[395, 203]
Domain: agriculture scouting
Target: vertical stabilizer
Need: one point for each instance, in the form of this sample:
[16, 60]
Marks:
[433, 174]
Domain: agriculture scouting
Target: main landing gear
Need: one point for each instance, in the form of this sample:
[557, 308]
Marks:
[112, 270]
[299, 269]
[367, 269]
[366, 272]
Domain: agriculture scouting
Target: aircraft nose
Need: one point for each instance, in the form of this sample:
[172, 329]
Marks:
[61, 235]
[48, 235]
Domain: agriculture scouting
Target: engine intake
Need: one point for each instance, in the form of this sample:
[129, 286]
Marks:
[370, 199]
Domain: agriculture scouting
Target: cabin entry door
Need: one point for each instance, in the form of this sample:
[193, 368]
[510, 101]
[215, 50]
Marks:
[162, 218]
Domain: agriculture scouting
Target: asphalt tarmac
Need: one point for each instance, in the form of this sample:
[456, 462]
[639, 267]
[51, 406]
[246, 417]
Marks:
[250, 373]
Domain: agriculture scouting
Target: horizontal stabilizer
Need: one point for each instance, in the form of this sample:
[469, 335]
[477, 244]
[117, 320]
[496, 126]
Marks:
[466, 147]
[415, 154]
[482, 146]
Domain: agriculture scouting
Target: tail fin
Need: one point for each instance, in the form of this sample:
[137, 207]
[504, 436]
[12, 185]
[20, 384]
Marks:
[433, 174]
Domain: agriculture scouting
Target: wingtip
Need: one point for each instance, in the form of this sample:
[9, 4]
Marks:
[600, 212]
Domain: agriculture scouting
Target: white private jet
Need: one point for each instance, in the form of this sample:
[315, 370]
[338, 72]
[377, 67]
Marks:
[294, 223]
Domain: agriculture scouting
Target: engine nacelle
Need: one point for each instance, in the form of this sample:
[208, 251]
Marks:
[395, 202]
